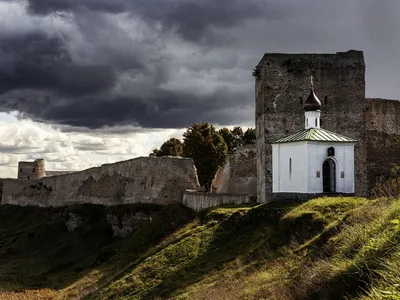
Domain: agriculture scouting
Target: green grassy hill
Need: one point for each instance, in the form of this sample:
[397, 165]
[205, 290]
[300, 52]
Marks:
[327, 248]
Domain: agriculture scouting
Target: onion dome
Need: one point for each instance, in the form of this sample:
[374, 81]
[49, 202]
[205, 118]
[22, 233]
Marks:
[312, 103]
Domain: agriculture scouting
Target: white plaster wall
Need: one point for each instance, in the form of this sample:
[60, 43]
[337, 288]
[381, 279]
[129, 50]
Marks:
[344, 160]
[307, 159]
[312, 119]
[297, 181]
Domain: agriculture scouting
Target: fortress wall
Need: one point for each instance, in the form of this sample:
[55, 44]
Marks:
[141, 180]
[282, 85]
[383, 137]
[239, 174]
[199, 201]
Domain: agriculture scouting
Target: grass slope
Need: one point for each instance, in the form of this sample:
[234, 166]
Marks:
[327, 248]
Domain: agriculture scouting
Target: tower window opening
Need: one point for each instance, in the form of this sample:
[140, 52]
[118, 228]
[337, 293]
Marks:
[20, 170]
[33, 170]
[326, 99]
[301, 100]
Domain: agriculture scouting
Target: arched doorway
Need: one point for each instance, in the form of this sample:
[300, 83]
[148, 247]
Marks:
[329, 176]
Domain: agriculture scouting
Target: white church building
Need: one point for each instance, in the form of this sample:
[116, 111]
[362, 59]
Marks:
[313, 161]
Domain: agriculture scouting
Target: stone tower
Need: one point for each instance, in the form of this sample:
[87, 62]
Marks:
[282, 86]
[31, 170]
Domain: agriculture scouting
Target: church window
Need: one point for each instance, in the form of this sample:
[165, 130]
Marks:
[326, 99]
[301, 100]
[316, 121]
[342, 174]
[20, 170]
[290, 168]
[33, 170]
[331, 151]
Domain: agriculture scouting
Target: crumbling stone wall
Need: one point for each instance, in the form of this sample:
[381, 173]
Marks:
[281, 87]
[141, 180]
[239, 174]
[383, 137]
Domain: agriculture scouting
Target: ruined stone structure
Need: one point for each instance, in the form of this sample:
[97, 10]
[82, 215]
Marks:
[36, 170]
[141, 180]
[281, 86]
[238, 175]
[31, 170]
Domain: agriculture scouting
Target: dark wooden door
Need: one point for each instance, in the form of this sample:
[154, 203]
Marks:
[329, 176]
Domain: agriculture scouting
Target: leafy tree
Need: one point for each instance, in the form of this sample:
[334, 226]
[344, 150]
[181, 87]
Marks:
[228, 138]
[249, 137]
[237, 137]
[154, 153]
[208, 150]
[172, 147]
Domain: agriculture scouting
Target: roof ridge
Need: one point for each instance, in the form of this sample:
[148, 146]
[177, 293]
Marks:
[315, 134]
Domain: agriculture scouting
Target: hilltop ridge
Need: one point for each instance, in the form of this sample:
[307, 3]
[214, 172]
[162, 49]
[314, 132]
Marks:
[327, 248]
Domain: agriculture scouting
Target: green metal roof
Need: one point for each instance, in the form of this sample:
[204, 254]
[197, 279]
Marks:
[315, 134]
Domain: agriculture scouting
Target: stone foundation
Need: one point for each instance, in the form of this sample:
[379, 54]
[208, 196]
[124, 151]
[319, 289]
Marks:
[199, 201]
[303, 197]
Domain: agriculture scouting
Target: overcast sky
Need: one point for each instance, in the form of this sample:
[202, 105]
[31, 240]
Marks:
[86, 82]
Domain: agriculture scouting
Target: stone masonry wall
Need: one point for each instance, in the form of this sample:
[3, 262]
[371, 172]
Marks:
[199, 201]
[31, 170]
[383, 137]
[239, 174]
[281, 87]
[141, 180]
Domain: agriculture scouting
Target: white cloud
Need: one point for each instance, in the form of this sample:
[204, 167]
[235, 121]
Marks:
[27, 140]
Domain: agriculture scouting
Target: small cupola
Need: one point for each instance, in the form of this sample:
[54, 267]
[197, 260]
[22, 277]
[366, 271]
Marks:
[312, 109]
[312, 103]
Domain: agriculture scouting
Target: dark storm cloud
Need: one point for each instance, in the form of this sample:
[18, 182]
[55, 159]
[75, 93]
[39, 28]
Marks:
[190, 18]
[51, 6]
[38, 62]
[162, 109]
[170, 63]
